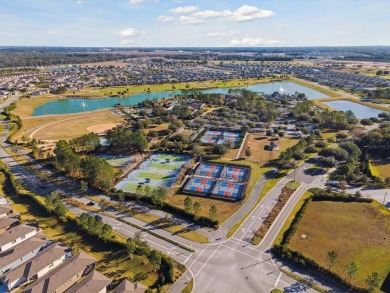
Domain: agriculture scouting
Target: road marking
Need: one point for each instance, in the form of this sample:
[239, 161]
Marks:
[277, 280]
[208, 260]
[252, 222]
[197, 257]
[187, 259]
[256, 258]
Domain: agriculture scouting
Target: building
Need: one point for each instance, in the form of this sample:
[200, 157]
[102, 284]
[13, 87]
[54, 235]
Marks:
[36, 267]
[22, 252]
[129, 287]
[5, 210]
[7, 223]
[64, 276]
[273, 146]
[16, 235]
[94, 282]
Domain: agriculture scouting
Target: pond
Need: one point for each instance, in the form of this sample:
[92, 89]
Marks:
[68, 106]
[360, 111]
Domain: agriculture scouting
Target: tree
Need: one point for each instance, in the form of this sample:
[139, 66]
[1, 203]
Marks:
[131, 245]
[331, 258]
[213, 212]
[197, 208]
[373, 281]
[155, 259]
[147, 190]
[358, 194]
[352, 271]
[103, 203]
[83, 186]
[105, 232]
[140, 189]
[248, 152]
[188, 204]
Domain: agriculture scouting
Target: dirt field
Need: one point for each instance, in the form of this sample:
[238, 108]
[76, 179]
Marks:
[101, 128]
[257, 143]
[64, 126]
[358, 232]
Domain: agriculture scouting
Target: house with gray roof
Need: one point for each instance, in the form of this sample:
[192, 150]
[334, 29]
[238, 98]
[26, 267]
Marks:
[22, 252]
[36, 267]
[94, 282]
[64, 276]
[129, 287]
[16, 235]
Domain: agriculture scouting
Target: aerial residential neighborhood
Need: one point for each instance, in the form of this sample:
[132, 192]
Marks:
[193, 146]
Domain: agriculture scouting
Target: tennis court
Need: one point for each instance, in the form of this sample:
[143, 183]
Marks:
[228, 190]
[160, 169]
[199, 185]
[210, 170]
[239, 174]
[221, 137]
[117, 161]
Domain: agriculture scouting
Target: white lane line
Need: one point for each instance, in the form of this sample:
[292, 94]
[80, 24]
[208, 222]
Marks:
[253, 221]
[256, 258]
[244, 242]
[277, 280]
[197, 257]
[187, 258]
[208, 260]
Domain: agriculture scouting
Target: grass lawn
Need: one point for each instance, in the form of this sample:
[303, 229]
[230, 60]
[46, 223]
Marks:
[356, 231]
[257, 143]
[291, 217]
[64, 126]
[189, 287]
[381, 168]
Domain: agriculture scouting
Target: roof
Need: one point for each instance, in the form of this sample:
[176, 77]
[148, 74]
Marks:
[129, 287]
[36, 264]
[63, 273]
[10, 255]
[7, 221]
[15, 233]
[94, 282]
[5, 209]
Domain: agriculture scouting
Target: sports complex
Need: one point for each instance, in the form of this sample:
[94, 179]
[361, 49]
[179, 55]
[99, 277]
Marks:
[221, 137]
[159, 169]
[219, 181]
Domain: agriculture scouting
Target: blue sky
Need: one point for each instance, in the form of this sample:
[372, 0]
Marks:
[210, 23]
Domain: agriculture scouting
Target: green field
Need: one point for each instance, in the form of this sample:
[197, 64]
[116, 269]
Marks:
[358, 232]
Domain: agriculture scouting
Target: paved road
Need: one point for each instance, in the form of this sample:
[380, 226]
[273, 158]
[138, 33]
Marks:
[228, 266]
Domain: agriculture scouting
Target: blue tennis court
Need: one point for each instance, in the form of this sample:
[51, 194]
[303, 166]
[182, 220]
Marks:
[221, 137]
[228, 190]
[235, 173]
[210, 170]
[199, 185]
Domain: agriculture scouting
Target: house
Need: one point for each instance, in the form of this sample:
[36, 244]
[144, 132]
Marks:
[36, 267]
[94, 282]
[5, 210]
[7, 223]
[64, 276]
[22, 252]
[129, 287]
[16, 235]
[273, 146]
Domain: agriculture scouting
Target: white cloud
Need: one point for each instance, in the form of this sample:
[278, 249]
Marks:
[136, 1]
[163, 18]
[189, 20]
[249, 41]
[244, 13]
[221, 34]
[184, 9]
[127, 42]
[83, 1]
[130, 31]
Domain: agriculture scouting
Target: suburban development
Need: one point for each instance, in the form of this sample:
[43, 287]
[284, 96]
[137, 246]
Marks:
[248, 166]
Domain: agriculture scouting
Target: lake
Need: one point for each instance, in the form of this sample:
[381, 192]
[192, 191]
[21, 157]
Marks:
[68, 106]
[360, 111]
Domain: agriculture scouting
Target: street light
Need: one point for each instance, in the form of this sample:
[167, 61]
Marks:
[384, 200]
